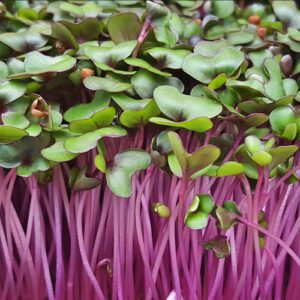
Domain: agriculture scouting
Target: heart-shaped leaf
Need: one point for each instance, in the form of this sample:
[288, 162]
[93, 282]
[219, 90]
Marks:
[120, 33]
[178, 106]
[186, 111]
[102, 118]
[105, 84]
[205, 69]
[88, 141]
[127, 103]
[86, 110]
[37, 63]
[25, 40]
[212, 27]
[110, 55]
[168, 58]
[136, 112]
[210, 49]
[202, 158]
[123, 166]
[145, 82]
[107, 58]
[38, 164]
[194, 162]
[136, 118]
[58, 153]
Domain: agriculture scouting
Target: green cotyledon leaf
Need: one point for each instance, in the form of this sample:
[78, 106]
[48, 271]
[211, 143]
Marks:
[88, 141]
[123, 166]
[189, 112]
[227, 60]
[191, 163]
[199, 210]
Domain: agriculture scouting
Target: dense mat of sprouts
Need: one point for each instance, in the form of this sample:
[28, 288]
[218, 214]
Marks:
[149, 149]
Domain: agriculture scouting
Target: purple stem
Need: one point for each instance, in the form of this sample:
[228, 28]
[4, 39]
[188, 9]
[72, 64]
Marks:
[219, 276]
[172, 238]
[279, 182]
[258, 197]
[143, 34]
[284, 245]
[73, 248]
[58, 235]
[84, 258]
[149, 278]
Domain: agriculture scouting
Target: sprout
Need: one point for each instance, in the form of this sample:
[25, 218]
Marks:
[86, 72]
[162, 210]
[107, 107]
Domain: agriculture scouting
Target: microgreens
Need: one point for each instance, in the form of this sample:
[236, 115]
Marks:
[149, 149]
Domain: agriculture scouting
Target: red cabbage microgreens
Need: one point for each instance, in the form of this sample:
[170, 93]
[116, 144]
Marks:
[149, 149]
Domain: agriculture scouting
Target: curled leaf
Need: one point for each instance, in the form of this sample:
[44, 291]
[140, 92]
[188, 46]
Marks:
[121, 169]
[88, 141]
[197, 216]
